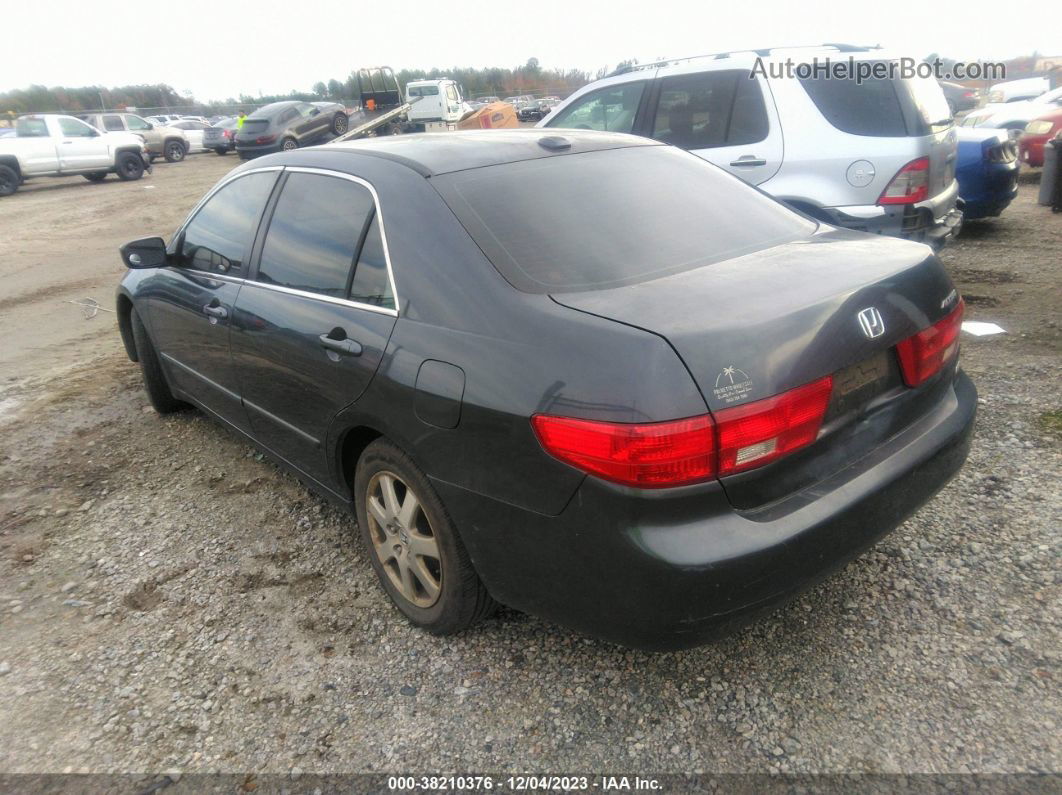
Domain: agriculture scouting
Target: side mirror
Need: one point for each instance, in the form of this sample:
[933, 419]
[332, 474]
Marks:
[148, 252]
[315, 112]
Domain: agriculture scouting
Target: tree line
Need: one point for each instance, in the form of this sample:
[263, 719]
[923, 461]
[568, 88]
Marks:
[491, 81]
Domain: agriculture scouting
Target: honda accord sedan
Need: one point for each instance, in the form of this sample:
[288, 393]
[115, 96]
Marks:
[589, 376]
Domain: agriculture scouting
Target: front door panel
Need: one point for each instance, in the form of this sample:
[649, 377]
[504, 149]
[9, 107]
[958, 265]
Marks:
[190, 316]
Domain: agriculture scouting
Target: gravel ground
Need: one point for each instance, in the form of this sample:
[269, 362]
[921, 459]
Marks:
[171, 601]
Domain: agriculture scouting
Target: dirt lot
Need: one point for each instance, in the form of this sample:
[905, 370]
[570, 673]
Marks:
[169, 600]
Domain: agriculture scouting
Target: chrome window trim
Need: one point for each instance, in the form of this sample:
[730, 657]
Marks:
[328, 299]
[221, 184]
[383, 310]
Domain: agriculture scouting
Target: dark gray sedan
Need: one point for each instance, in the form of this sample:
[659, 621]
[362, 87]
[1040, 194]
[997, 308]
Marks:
[283, 126]
[676, 408]
[221, 135]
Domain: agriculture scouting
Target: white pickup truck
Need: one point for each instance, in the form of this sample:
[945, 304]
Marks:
[52, 145]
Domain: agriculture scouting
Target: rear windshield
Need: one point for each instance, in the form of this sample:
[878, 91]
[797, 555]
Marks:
[254, 125]
[879, 106]
[611, 218]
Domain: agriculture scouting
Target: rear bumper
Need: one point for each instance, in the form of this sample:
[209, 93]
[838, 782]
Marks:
[254, 150]
[932, 221]
[992, 190]
[666, 570]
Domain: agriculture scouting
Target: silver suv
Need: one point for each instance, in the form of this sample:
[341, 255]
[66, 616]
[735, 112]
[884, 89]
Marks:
[876, 154]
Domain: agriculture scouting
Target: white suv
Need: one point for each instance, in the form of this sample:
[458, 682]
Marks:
[876, 154]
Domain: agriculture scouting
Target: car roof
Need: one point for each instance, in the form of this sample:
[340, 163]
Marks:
[442, 153]
[274, 108]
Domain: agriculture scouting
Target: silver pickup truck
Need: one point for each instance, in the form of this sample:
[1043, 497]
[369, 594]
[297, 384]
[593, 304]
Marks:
[52, 145]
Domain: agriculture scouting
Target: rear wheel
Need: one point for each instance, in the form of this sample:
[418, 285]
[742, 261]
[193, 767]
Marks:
[158, 391]
[99, 176]
[129, 166]
[413, 545]
[221, 150]
[339, 123]
[174, 151]
[9, 180]
[288, 144]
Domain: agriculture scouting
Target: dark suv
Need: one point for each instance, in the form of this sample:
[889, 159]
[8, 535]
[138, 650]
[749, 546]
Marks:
[289, 125]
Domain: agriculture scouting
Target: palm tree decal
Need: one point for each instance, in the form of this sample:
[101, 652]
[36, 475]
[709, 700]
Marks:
[728, 372]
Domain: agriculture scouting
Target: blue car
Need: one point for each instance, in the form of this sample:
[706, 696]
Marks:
[987, 170]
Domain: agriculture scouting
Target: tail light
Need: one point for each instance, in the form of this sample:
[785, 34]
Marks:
[910, 185]
[757, 433]
[651, 455]
[925, 353]
[265, 139]
[692, 450]
[1001, 152]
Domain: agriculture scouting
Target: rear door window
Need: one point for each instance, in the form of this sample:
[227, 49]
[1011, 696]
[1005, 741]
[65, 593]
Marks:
[113, 123]
[314, 233]
[218, 238]
[136, 123]
[611, 109]
[710, 109]
[613, 217]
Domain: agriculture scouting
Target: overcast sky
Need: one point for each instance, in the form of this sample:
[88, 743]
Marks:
[220, 48]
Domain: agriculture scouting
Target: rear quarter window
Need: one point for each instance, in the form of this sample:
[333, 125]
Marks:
[611, 218]
[870, 107]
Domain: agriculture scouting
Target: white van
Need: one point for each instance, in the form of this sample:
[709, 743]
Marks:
[434, 101]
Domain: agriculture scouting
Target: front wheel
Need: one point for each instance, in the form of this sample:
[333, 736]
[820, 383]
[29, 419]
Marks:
[339, 123]
[413, 545]
[174, 152]
[130, 166]
[289, 144]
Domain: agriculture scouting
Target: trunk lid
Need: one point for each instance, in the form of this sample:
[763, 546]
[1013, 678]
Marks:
[761, 324]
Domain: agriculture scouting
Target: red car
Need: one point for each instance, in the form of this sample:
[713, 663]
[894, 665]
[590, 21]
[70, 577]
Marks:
[1038, 132]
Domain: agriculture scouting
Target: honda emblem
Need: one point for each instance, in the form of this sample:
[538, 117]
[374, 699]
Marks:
[871, 323]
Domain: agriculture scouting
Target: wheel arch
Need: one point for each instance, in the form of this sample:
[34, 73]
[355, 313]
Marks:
[349, 447]
[11, 162]
[124, 309]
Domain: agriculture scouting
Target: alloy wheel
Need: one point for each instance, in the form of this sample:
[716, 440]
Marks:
[403, 539]
[289, 144]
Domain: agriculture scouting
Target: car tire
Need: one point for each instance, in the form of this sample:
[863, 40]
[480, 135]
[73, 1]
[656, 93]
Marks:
[129, 166]
[98, 176]
[339, 123]
[289, 144]
[9, 180]
[174, 151]
[221, 151]
[158, 390]
[438, 591]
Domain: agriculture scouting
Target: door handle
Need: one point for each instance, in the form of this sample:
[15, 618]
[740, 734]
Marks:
[344, 347]
[216, 311]
[748, 160]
